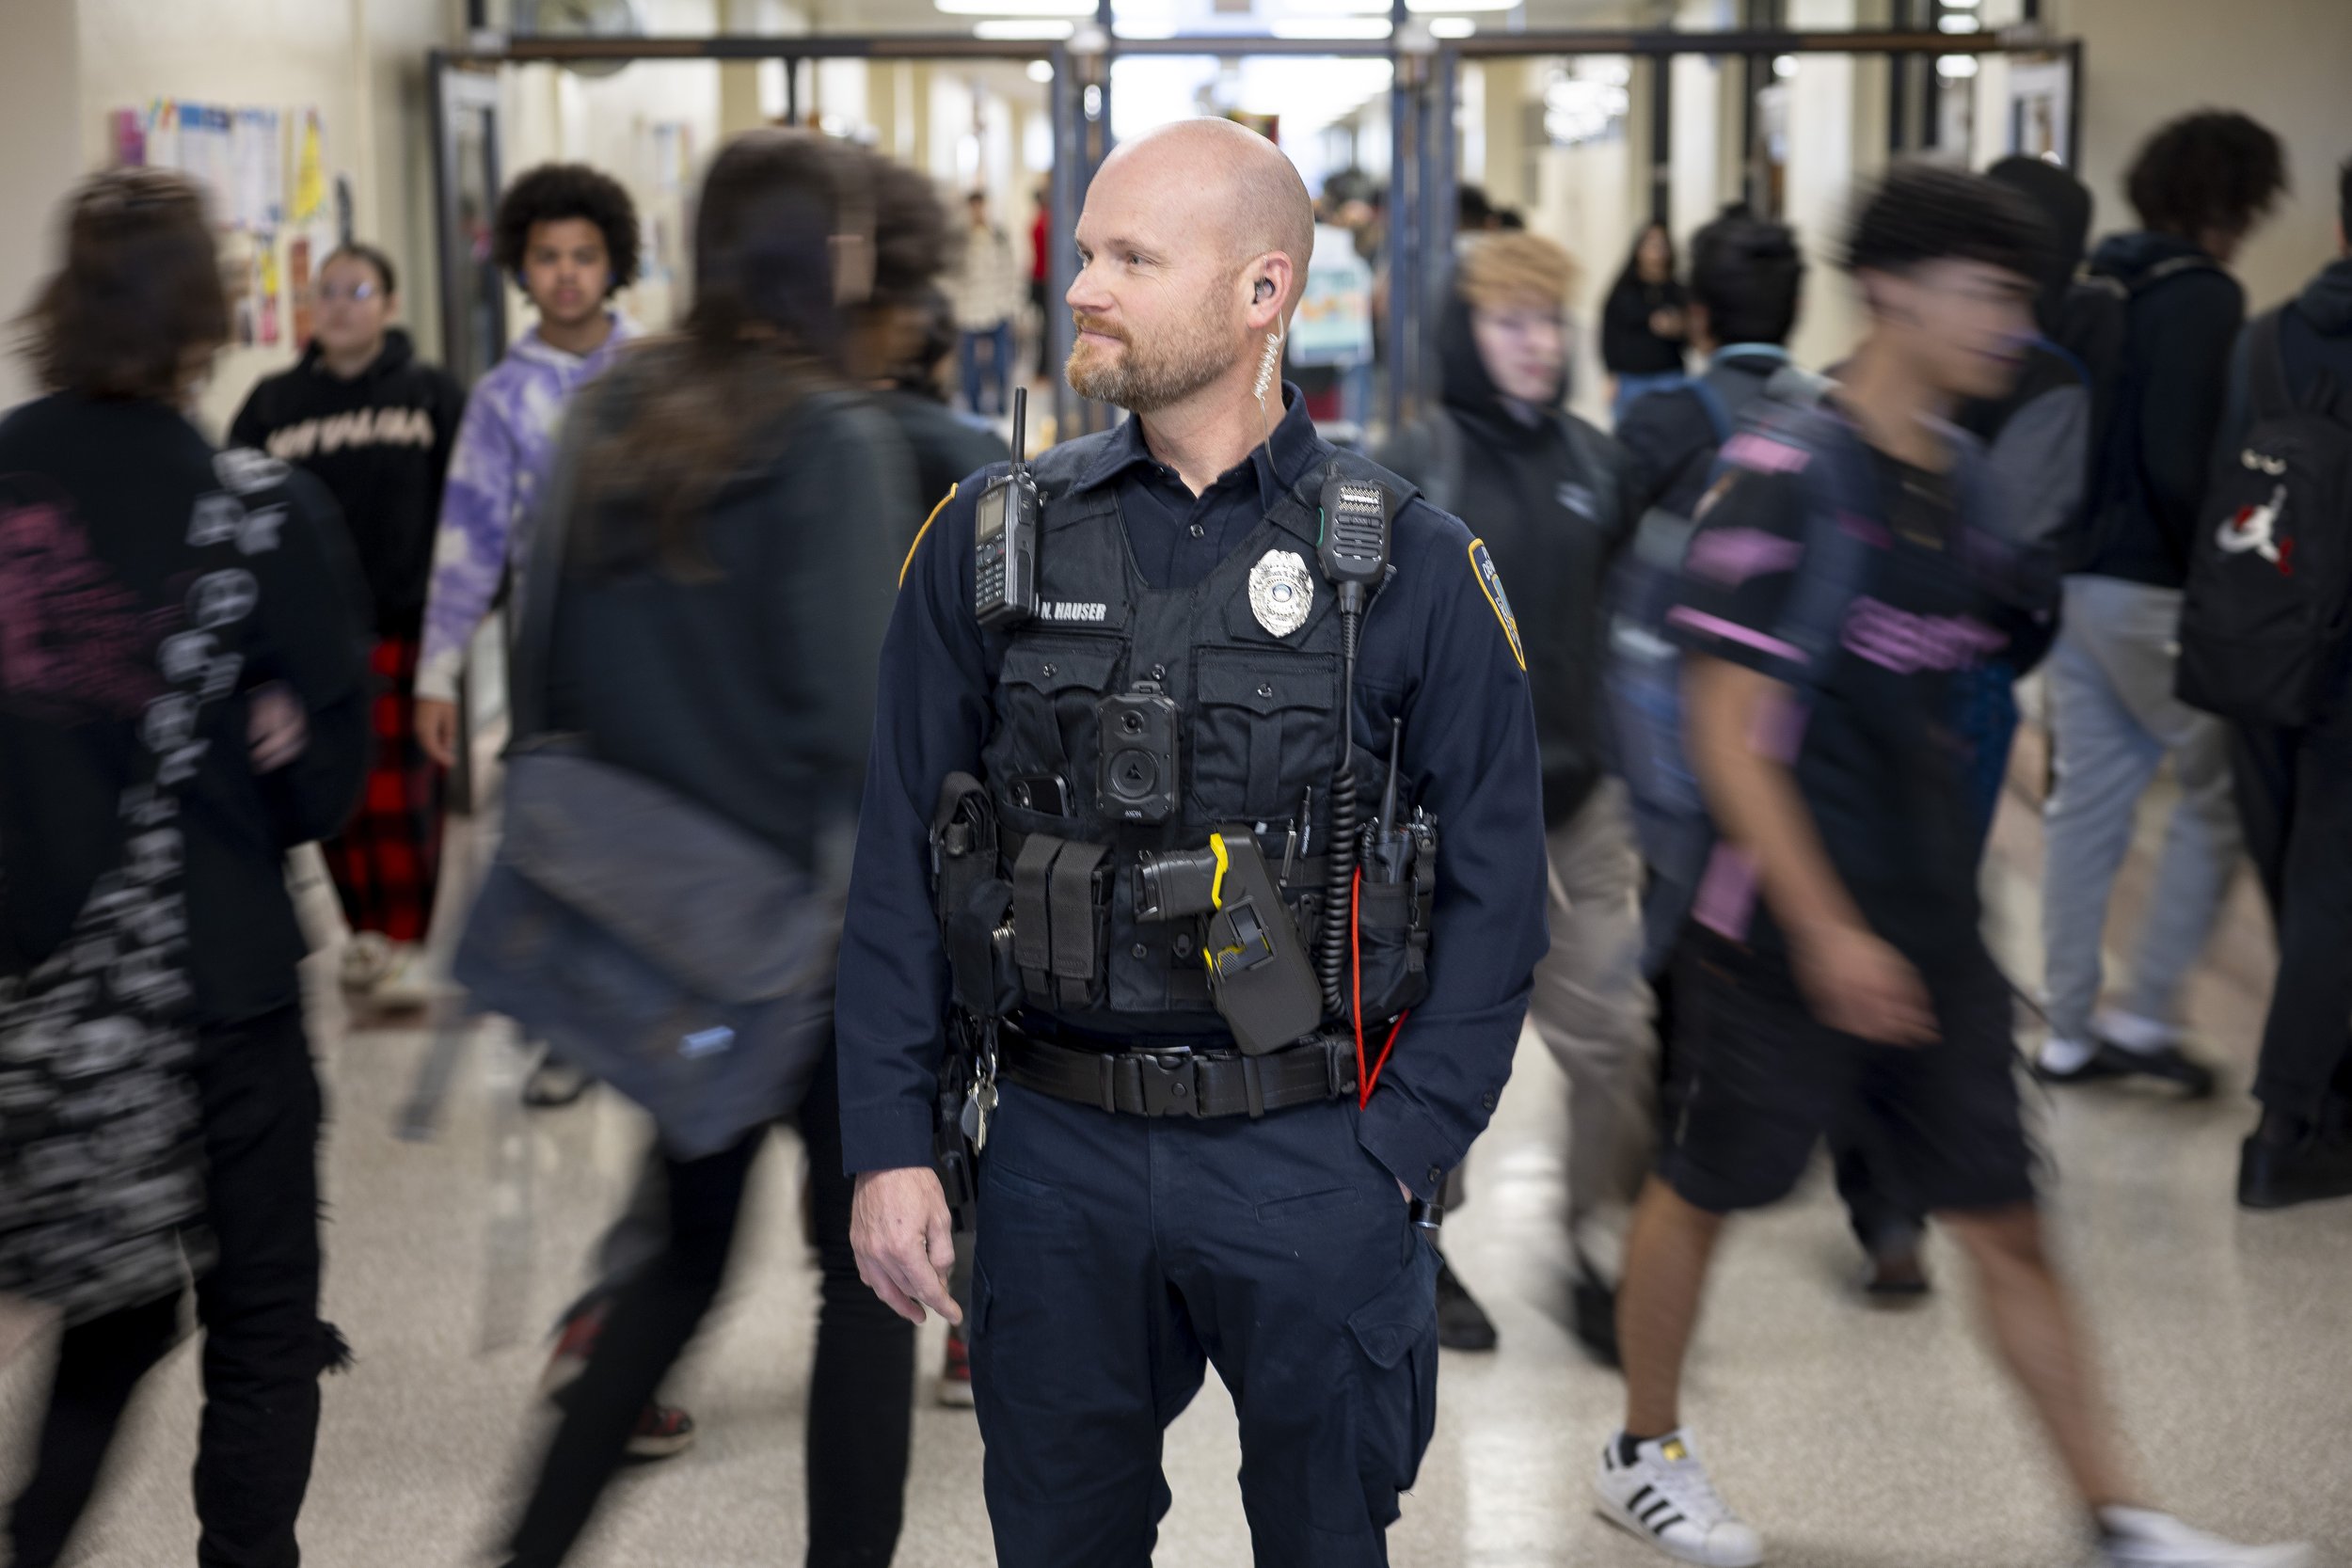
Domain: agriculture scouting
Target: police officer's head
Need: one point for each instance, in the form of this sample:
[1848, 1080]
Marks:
[1193, 250]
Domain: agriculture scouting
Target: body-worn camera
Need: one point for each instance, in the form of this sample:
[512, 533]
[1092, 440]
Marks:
[1137, 779]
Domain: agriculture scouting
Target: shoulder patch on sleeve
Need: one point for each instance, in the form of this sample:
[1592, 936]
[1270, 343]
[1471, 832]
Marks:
[1490, 584]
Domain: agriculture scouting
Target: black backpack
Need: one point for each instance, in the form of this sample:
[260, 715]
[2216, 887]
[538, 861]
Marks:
[2269, 596]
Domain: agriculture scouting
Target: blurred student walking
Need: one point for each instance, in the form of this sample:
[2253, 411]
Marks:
[716, 617]
[182, 699]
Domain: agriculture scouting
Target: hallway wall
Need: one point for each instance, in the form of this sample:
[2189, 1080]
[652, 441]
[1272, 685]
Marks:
[2282, 61]
[40, 101]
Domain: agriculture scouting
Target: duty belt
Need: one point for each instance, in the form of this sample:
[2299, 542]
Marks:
[1182, 1083]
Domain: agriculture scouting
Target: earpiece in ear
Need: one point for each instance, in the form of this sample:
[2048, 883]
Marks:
[1268, 363]
[1264, 290]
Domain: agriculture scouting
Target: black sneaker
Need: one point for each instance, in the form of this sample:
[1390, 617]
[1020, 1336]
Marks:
[2309, 1169]
[2167, 1064]
[1593, 1315]
[1462, 1323]
[1897, 1277]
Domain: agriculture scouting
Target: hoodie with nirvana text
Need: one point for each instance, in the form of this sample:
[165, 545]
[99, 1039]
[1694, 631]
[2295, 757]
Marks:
[380, 441]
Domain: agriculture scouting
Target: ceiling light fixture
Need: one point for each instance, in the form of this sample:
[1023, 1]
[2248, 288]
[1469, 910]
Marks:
[1022, 29]
[1451, 26]
[1335, 27]
[1073, 8]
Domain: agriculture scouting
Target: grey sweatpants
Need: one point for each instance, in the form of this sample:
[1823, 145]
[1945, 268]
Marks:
[2113, 720]
[1592, 1010]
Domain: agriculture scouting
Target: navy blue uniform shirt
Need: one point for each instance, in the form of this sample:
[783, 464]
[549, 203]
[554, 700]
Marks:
[1435, 652]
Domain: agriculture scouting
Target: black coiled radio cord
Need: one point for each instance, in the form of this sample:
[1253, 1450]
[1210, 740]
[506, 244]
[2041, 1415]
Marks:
[1338, 883]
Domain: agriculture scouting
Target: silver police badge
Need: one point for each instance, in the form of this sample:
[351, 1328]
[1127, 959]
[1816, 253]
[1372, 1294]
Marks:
[1281, 595]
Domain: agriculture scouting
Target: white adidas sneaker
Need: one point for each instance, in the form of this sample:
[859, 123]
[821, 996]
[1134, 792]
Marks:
[1664, 1498]
[2138, 1538]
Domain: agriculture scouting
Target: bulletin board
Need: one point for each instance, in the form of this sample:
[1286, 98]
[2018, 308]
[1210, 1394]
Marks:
[266, 181]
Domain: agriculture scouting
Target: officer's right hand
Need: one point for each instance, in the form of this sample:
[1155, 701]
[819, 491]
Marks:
[904, 1240]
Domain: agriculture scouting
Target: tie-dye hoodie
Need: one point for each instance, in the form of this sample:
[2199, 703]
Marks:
[503, 446]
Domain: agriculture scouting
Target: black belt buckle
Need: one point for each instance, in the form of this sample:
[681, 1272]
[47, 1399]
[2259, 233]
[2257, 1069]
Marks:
[1170, 1085]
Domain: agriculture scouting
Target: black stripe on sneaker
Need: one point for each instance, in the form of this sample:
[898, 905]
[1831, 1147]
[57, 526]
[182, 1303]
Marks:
[1661, 1527]
[1664, 1505]
[1636, 1500]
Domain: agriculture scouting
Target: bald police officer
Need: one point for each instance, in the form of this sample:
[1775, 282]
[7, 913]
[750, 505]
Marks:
[1181, 1167]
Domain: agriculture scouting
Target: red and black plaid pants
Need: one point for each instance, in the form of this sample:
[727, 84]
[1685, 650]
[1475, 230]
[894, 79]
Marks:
[388, 859]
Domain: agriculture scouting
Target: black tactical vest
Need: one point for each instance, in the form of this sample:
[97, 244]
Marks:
[1257, 729]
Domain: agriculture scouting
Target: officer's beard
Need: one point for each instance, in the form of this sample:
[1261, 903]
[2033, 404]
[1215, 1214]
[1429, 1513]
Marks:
[1148, 376]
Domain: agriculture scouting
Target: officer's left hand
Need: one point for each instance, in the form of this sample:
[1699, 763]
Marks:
[905, 1241]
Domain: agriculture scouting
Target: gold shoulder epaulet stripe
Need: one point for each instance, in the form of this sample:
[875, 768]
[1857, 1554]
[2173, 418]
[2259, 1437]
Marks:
[909, 562]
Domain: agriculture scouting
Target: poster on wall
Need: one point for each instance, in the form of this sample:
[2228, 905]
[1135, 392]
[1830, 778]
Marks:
[265, 291]
[1333, 325]
[2041, 109]
[126, 138]
[208, 155]
[310, 180]
[259, 156]
[298, 287]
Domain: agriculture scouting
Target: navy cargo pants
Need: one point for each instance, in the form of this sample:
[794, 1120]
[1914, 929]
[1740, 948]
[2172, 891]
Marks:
[1119, 1256]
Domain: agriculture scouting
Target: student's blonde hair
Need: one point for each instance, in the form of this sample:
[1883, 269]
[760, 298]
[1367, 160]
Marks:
[1502, 270]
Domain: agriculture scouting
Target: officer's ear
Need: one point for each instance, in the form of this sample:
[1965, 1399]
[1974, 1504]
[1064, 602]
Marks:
[1266, 284]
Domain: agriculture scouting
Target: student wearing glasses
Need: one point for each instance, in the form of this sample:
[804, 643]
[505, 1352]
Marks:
[375, 424]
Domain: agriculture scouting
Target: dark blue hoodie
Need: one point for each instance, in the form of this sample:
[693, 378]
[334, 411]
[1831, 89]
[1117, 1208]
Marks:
[2184, 315]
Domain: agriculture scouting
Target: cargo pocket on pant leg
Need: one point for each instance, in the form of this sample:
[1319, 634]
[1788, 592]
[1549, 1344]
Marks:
[1395, 1335]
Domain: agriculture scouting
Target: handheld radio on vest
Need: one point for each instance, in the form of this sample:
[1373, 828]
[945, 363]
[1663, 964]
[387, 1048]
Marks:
[1005, 530]
[1354, 553]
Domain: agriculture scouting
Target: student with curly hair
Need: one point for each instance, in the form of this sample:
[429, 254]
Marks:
[2199, 184]
[567, 234]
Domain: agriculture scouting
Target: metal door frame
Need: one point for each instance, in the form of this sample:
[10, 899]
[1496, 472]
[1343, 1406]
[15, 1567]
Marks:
[1424, 93]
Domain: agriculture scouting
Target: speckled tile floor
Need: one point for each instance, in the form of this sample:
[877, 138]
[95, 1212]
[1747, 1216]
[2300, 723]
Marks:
[1853, 1438]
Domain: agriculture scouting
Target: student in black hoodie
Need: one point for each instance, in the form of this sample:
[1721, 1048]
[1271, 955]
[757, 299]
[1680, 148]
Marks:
[151, 587]
[1643, 329]
[2200, 185]
[2295, 798]
[1552, 498]
[375, 425]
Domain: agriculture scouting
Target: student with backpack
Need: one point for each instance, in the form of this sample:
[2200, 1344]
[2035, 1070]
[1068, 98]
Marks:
[2200, 185]
[1836, 959]
[2265, 644]
[2040, 441]
[1547, 493]
[183, 697]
